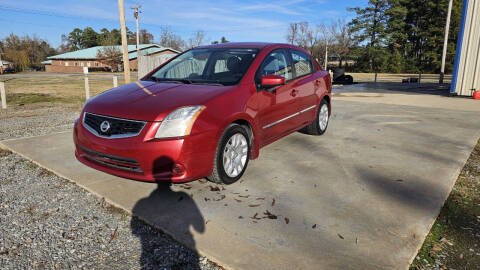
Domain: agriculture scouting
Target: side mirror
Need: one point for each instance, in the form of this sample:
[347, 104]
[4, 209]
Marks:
[269, 81]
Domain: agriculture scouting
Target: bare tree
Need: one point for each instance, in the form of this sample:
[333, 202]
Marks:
[111, 56]
[343, 40]
[171, 40]
[197, 39]
[292, 33]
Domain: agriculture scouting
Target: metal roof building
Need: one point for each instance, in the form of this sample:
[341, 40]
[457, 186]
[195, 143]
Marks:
[91, 53]
[466, 75]
[74, 62]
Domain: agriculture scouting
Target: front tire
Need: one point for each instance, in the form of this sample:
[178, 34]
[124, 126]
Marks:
[232, 155]
[319, 126]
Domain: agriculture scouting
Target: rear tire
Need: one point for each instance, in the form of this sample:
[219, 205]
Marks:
[231, 156]
[319, 126]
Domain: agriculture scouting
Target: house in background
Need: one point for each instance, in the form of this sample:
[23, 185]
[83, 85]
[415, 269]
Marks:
[5, 65]
[73, 62]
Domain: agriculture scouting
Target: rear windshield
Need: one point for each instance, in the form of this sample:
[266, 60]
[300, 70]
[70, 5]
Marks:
[207, 66]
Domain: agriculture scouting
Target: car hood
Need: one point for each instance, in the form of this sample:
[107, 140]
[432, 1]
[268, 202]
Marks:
[150, 101]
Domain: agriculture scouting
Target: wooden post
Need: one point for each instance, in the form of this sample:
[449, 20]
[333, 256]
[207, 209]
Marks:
[126, 63]
[3, 96]
[445, 42]
[376, 74]
[87, 89]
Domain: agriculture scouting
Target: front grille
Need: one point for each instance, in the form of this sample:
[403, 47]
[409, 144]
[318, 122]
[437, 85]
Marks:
[122, 163]
[117, 128]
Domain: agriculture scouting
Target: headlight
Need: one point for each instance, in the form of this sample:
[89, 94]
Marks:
[179, 122]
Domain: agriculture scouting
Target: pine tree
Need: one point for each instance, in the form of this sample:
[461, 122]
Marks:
[369, 26]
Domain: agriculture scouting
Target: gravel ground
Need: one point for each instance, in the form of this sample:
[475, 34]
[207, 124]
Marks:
[49, 222]
[32, 121]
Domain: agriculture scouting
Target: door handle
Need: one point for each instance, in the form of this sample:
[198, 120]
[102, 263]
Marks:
[294, 93]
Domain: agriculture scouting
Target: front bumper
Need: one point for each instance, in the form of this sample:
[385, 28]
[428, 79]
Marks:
[147, 160]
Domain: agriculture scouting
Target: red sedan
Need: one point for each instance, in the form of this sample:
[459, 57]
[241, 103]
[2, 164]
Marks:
[204, 113]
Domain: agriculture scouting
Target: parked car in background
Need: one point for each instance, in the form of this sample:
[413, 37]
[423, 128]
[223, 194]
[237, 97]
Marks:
[8, 70]
[204, 113]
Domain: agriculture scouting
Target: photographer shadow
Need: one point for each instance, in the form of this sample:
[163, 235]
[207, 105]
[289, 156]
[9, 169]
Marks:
[175, 212]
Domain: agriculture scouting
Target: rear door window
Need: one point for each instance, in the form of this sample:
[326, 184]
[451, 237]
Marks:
[302, 63]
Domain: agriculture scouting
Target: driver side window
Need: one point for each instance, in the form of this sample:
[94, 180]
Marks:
[276, 63]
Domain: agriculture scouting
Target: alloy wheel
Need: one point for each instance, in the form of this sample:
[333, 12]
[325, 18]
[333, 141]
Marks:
[235, 155]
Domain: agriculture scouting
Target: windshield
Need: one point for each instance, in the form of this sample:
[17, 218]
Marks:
[207, 66]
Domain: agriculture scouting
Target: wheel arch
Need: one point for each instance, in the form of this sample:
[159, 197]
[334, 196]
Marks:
[245, 121]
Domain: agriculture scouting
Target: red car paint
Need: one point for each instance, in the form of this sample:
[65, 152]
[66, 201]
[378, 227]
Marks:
[191, 157]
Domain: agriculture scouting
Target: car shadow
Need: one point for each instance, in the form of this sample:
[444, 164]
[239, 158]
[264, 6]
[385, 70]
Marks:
[175, 212]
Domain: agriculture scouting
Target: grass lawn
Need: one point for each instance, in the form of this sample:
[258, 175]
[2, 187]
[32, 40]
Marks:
[454, 240]
[55, 89]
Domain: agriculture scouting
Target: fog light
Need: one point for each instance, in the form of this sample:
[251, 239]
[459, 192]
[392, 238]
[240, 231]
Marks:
[178, 169]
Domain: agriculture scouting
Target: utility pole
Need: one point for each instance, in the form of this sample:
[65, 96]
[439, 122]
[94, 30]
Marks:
[126, 63]
[326, 54]
[445, 42]
[135, 14]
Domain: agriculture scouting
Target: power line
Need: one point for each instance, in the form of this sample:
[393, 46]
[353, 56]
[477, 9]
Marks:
[72, 16]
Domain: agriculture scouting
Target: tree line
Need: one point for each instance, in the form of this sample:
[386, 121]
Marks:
[392, 36]
[29, 51]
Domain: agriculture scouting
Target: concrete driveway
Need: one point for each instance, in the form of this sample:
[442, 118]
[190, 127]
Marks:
[363, 196]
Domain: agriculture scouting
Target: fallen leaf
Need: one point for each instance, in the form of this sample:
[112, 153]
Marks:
[206, 199]
[269, 215]
[237, 200]
[339, 235]
[212, 188]
[202, 181]
[114, 235]
[240, 217]
[244, 196]
[236, 193]
[187, 186]
[255, 216]
[314, 226]
[253, 205]
[436, 248]
[287, 220]
[273, 202]
[259, 199]
[225, 205]
[356, 240]
[399, 180]
[221, 198]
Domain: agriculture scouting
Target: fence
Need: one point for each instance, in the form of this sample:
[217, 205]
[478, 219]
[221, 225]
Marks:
[149, 63]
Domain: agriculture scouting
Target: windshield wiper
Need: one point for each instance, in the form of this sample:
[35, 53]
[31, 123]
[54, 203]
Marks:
[184, 81]
[210, 82]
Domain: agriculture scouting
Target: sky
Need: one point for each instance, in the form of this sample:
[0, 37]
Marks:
[248, 20]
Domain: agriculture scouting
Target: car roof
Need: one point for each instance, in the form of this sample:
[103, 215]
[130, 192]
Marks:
[252, 45]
